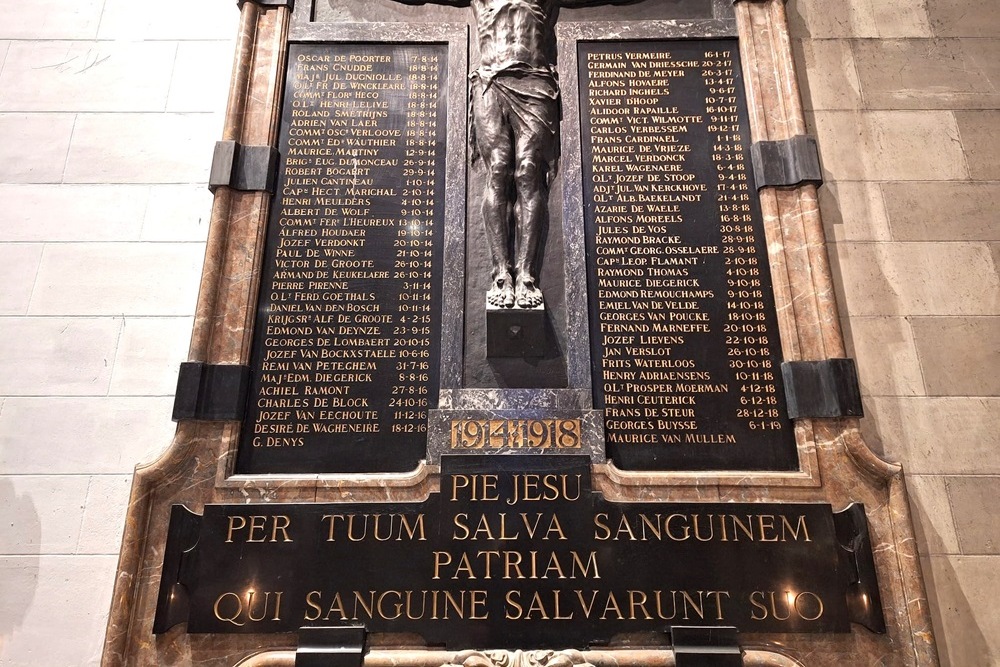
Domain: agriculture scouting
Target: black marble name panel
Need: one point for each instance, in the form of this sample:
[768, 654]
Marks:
[347, 337]
[517, 551]
[684, 336]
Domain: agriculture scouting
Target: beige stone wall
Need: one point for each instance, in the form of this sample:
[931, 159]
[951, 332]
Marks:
[108, 113]
[903, 98]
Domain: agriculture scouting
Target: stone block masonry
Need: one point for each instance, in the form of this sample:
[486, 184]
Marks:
[903, 97]
[109, 112]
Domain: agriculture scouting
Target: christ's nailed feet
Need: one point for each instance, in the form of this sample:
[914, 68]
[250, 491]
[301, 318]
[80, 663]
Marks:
[501, 294]
[527, 294]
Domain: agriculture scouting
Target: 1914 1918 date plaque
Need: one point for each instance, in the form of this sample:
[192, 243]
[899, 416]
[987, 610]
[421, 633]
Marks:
[684, 334]
[346, 351]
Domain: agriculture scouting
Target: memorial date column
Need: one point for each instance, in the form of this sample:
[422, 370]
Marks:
[748, 354]
[413, 248]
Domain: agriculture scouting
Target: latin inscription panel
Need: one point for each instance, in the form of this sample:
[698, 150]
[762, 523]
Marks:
[513, 551]
[684, 334]
[346, 348]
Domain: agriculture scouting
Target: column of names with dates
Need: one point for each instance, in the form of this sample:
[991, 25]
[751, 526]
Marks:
[347, 338]
[683, 328]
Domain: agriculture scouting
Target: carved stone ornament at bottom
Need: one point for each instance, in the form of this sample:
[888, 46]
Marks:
[568, 658]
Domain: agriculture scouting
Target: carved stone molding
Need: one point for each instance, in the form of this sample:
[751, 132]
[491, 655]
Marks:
[523, 658]
[519, 658]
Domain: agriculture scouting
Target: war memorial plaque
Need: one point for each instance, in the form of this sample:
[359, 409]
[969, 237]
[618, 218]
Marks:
[685, 350]
[507, 549]
[518, 527]
[345, 357]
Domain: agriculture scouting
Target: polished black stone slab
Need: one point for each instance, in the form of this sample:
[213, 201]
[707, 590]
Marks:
[346, 350]
[684, 340]
[517, 551]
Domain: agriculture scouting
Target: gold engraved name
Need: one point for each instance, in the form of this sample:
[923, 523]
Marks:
[516, 434]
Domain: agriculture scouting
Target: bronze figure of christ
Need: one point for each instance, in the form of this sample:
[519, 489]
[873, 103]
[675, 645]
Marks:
[514, 97]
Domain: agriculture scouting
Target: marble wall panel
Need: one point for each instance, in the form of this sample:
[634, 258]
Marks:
[985, 54]
[54, 596]
[934, 524]
[82, 435]
[104, 514]
[86, 76]
[943, 211]
[846, 18]
[946, 444]
[967, 618]
[935, 436]
[906, 279]
[117, 278]
[150, 352]
[981, 142]
[67, 356]
[886, 355]
[959, 355]
[142, 148]
[177, 213]
[926, 74]
[67, 449]
[42, 513]
[51, 19]
[963, 18]
[200, 78]
[18, 268]
[832, 79]
[125, 19]
[59, 212]
[977, 523]
[35, 146]
[901, 18]
[854, 211]
[889, 145]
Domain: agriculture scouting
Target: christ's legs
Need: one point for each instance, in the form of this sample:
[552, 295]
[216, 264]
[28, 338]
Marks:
[531, 213]
[534, 151]
[495, 147]
[496, 217]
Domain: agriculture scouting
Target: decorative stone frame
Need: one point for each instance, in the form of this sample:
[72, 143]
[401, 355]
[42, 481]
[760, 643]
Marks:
[617, 658]
[836, 466]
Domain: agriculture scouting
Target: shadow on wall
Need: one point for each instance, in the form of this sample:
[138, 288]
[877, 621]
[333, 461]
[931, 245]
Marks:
[20, 540]
[961, 640]
[798, 25]
[832, 214]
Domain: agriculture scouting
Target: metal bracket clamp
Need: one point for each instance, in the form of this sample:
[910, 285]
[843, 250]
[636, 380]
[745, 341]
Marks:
[267, 3]
[822, 389]
[246, 168]
[789, 162]
[178, 569]
[864, 602]
[708, 646]
[331, 647]
[211, 392]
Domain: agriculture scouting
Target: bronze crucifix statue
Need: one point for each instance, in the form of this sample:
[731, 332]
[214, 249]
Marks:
[514, 99]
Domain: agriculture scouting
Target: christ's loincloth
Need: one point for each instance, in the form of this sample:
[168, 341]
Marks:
[523, 98]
